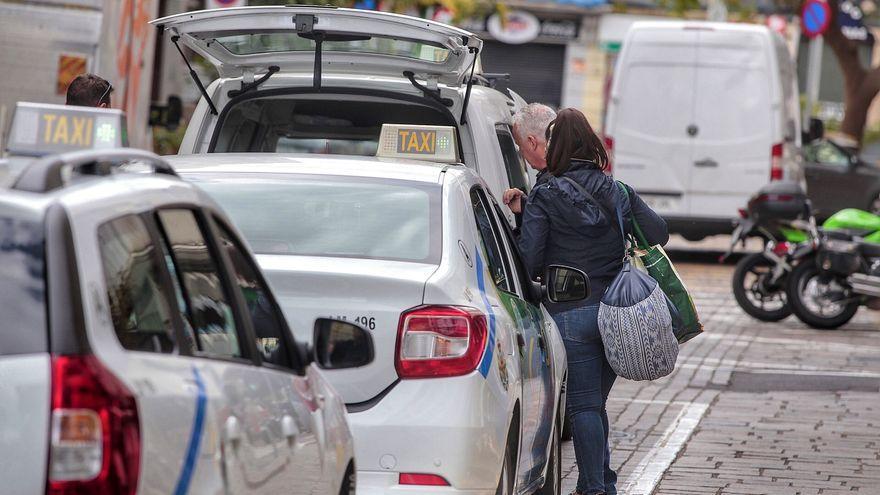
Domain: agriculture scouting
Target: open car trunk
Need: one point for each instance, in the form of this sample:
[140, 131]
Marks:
[325, 122]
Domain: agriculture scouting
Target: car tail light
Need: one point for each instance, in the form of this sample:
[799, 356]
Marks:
[440, 341]
[422, 479]
[743, 213]
[95, 436]
[776, 162]
[609, 148]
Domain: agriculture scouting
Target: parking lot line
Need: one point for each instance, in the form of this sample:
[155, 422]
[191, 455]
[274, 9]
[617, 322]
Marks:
[648, 472]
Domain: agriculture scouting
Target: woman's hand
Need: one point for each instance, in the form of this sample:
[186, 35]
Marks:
[513, 199]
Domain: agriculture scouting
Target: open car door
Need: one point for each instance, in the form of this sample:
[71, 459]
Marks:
[248, 40]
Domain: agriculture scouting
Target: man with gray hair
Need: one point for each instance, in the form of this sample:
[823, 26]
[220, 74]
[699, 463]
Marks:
[529, 132]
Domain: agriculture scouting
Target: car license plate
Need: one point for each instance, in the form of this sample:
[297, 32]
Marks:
[661, 203]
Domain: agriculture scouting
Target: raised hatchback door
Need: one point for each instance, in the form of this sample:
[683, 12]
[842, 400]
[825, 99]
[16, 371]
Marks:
[251, 39]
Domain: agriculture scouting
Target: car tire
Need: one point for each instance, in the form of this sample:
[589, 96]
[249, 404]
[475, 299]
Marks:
[508, 469]
[797, 282]
[553, 481]
[747, 266]
[567, 434]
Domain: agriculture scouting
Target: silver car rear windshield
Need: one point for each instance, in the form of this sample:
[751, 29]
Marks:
[332, 216]
[22, 283]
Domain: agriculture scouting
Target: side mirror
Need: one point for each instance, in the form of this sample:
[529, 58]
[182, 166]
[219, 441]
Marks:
[340, 345]
[566, 284]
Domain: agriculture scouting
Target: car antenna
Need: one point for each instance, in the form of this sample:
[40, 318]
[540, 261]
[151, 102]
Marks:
[194, 76]
[470, 84]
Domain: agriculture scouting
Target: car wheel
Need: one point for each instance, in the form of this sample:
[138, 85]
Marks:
[553, 481]
[508, 469]
[874, 206]
[567, 434]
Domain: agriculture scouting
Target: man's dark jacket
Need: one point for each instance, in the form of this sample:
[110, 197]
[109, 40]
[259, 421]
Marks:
[561, 226]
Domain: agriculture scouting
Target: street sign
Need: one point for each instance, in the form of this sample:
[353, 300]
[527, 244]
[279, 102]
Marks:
[850, 19]
[815, 18]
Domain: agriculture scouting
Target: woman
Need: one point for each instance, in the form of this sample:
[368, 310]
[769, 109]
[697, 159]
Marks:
[561, 225]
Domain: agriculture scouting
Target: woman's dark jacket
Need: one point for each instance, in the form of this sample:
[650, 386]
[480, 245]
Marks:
[561, 226]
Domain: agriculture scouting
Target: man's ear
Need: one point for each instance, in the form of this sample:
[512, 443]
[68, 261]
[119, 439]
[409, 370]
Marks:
[533, 142]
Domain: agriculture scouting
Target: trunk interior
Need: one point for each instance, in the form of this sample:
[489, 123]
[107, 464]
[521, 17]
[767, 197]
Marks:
[323, 123]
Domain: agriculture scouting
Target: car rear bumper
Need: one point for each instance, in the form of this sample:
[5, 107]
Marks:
[451, 427]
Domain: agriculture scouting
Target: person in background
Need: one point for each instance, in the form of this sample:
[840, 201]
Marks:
[529, 125]
[89, 90]
[569, 219]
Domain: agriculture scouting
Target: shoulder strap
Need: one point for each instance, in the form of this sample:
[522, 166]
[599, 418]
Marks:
[637, 230]
[590, 197]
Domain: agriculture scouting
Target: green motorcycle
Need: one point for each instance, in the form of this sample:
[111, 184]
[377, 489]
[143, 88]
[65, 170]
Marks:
[840, 273]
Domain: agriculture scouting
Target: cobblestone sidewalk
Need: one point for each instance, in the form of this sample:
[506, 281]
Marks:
[752, 408]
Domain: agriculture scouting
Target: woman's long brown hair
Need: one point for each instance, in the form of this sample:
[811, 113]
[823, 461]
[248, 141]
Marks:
[571, 137]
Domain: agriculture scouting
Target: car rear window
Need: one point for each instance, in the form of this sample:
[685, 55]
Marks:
[248, 44]
[22, 283]
[332, 216]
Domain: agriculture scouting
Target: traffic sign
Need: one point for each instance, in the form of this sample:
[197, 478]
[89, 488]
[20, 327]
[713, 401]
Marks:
[815, 17]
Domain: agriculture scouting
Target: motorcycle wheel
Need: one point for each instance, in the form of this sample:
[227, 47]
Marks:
[807, 295]
[757, 300]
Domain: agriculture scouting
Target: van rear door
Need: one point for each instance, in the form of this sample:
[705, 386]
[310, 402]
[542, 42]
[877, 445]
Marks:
[651, 109]
[735, 109]
[247, 40]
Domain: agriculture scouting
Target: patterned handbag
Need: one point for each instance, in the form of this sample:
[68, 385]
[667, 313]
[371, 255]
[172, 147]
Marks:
[636, 321]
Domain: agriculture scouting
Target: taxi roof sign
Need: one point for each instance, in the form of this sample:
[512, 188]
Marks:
[436, 143]
[40, 129]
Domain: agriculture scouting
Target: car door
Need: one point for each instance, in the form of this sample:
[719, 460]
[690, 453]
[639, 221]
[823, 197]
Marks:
[831, 183]
[538, 344]
[294, 404]
[532, 357]
[237, 397]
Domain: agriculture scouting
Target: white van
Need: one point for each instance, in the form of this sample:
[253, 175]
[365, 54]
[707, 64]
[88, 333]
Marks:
[702, 115]
[309, 79]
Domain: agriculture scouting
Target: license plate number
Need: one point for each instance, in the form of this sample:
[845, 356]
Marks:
[662, 203]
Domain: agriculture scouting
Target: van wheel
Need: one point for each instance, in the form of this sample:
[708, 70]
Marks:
[553, 482]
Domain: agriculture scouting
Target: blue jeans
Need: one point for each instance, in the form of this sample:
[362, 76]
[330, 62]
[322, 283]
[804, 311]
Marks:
[590, 378]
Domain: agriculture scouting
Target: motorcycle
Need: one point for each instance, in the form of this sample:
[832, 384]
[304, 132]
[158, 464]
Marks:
[780, 215]
[842, 273]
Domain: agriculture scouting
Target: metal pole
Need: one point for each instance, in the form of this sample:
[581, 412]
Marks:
[814, 73]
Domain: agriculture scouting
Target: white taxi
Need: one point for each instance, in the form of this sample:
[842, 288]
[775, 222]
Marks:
[314, 79]
[141, 349]
[466, 392]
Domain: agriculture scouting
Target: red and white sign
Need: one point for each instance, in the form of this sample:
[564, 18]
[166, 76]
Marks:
[777, 23]
[222, 4]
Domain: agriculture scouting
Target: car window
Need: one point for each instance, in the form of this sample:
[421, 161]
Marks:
[517, 266]
[517, 175]
[826, 153]
[494, 250]
[342, 217]
[22, 283]
[139, 308]
[209, 312]
[264, 314]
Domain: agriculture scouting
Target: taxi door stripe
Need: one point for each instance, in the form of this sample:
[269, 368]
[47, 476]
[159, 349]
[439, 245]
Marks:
[195, 437]
[490, 349]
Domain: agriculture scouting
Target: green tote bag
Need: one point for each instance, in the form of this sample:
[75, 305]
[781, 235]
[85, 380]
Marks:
[661, 269]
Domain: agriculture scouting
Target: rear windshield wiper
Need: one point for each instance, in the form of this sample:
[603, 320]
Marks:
[245, 87]
[433, 94]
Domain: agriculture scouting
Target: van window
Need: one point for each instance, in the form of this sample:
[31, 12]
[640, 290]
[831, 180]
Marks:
[657, 90]
[328, 123]
[517, 176]
[22, 284]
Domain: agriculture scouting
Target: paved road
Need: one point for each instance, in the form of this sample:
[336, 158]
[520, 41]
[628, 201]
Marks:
[752, 407]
